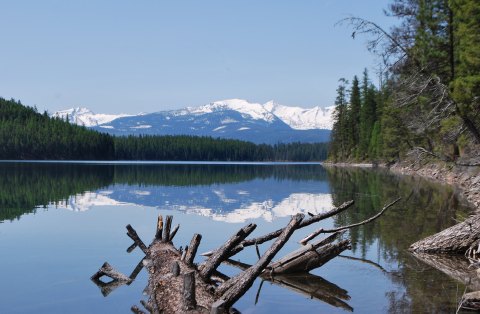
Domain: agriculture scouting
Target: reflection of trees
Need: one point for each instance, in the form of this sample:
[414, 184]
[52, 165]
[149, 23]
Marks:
[27, 186]
[207, 174]
[426, 208]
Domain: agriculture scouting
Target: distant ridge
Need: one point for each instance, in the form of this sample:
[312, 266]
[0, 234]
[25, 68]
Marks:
[233, 118]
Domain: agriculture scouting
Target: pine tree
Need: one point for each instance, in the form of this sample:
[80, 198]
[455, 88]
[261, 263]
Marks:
[354, 115]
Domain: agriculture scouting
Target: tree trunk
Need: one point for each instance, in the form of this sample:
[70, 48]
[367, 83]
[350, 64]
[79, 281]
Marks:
[455, 240]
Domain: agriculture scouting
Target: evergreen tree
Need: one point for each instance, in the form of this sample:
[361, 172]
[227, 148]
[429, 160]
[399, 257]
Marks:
[354, 117]
[340, 132]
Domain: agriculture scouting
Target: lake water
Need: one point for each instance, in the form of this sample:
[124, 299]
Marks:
[59, 222]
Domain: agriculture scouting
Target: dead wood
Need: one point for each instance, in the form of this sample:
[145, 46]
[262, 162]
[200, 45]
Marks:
[158, 233]
[192, 249]
[321, 230]
[471, 301]
[311, 259]
[177, 285]
[134, 236]
[455, 240]
[166, 228]
[234, 288]
[276, 233]
[304, 250]
[307, 284]
[174, 232]
[206, 269]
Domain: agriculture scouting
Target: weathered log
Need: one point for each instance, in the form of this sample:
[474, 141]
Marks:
[276, 233]
[193, 247]
[132, 247]
[166, 228]
[134, 236]
[234, 288]
[304, 223]
[158, 233]
[165, 290]
[455, 240]
[184, 253]
[118, 279]
[136, 310]
[136, 270]
[471, 301]
[189, 302]
[307, 284]
[321, 230]
[147, 306]
[222, 253]
[174, 232]
[175, 269]
[305, 249]
[197, 292]
[109, 271]
[311, 259]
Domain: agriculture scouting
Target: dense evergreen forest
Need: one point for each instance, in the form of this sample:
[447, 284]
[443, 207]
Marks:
[427, 102]
[27, 134]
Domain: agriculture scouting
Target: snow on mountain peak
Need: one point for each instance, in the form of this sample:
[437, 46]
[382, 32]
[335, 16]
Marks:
[254, 110]
[296, 117]
[85, 117]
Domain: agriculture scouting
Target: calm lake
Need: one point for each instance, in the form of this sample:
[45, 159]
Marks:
[59, 222]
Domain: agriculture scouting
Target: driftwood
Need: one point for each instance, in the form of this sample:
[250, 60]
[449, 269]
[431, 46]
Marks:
[276, 233]
[454, 240]
[177, 285]
[311, 286]
[320, 231]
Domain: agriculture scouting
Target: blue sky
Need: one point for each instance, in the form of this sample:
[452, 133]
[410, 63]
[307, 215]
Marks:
[133, 56]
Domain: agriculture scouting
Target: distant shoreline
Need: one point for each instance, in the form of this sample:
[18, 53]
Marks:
[163, 162]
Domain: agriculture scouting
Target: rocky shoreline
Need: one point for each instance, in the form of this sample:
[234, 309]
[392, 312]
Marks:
[465, 178]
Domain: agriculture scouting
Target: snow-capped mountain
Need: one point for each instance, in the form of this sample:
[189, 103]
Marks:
[85, 117]
[234, 118]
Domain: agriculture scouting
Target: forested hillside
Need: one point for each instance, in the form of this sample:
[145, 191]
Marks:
[27, 134]
[428, 100]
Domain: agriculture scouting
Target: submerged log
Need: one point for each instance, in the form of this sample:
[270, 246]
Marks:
[311, 259]
[306, 284]
[177, 285]
[118, 279]
[234, 288]
[454, 240]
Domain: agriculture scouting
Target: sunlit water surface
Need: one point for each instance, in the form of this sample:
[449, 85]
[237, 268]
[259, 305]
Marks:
[61, 221]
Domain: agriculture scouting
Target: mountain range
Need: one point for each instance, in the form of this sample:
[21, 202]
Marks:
[234, 119]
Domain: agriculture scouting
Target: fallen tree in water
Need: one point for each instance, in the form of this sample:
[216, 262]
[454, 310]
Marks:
[462, 238]
[177, 285]
[457, 239]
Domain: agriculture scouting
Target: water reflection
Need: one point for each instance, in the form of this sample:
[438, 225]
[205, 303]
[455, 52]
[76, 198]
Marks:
[381, 277]
[230, 193]
[426, 208]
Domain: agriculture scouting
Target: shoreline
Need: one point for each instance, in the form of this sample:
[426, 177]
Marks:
[464, 178]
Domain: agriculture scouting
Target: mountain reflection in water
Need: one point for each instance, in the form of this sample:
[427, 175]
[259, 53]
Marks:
[381, 277]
